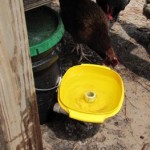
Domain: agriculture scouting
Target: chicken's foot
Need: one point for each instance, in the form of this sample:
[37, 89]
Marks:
[80, 51]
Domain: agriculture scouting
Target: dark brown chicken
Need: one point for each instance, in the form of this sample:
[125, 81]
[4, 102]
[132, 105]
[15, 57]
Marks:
[112, 8]
[88, 24]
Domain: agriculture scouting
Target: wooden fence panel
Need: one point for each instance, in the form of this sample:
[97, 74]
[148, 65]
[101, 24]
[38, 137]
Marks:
[19, 122]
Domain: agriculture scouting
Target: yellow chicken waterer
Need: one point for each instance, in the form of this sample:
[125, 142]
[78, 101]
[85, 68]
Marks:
[91, 93]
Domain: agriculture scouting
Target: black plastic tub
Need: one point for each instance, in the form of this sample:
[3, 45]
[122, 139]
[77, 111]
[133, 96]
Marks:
[45, 30]
[47, 76]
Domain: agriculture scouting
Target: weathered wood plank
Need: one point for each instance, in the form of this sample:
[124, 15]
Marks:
[19, 122]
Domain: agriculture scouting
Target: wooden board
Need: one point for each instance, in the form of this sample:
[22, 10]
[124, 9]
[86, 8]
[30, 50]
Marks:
[19, 122]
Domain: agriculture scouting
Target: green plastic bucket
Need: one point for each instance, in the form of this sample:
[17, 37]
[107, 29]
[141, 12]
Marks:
[45, 29]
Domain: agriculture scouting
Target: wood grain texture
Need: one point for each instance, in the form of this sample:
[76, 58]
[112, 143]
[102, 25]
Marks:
[19, 122]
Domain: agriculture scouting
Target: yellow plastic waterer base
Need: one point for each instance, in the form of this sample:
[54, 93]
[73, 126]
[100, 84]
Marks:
[91, 93]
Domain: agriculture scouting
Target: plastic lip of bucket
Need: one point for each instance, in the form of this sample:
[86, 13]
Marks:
[45, 63]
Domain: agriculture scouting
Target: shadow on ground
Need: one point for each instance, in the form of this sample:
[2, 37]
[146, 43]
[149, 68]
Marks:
[141, 35]
[132, 62]
[70, 129]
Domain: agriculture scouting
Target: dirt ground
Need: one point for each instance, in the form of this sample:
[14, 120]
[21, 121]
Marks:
[130, 128]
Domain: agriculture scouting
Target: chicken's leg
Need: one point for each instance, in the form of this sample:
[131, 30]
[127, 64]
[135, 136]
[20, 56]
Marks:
[80, 51]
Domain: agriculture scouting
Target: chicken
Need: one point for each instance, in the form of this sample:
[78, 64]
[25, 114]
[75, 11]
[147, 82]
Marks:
[112, 8]
[88, 24]
[146, 9]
